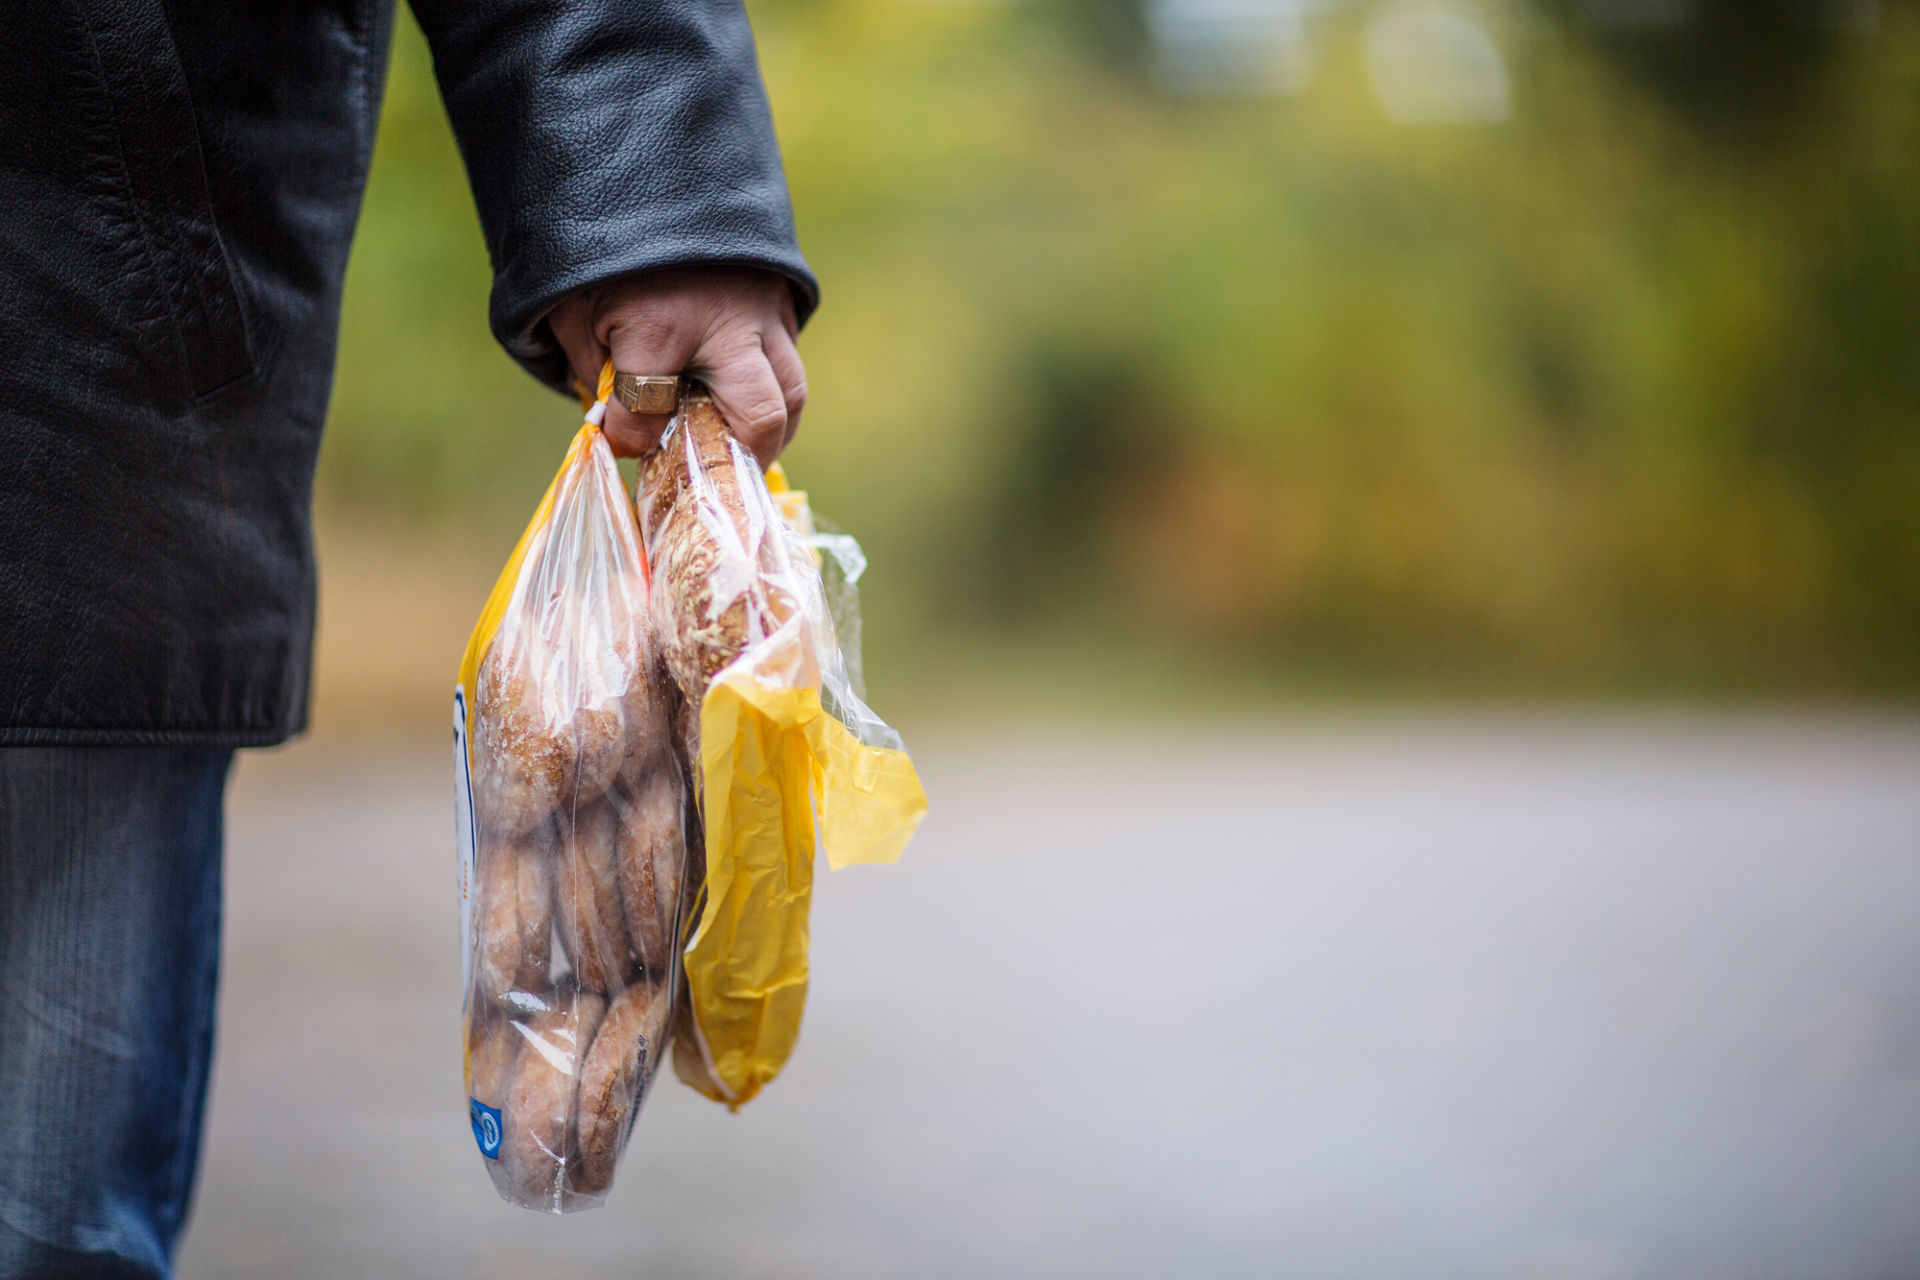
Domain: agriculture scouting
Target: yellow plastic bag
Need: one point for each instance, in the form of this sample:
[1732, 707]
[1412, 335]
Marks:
[571, 824]
[778, 740]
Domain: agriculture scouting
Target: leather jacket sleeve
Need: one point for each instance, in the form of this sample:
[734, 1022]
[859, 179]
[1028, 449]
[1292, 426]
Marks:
[609, 136]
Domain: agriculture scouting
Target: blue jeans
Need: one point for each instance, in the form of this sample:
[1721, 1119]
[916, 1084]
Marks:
[109, 953]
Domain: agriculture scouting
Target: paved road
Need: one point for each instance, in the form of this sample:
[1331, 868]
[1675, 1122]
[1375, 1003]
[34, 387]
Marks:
[1556, 999]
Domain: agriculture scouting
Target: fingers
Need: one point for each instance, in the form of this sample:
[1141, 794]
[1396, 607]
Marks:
[754, 372]
[731, 327]
[749, 396]
[572, 324]
[784, 359]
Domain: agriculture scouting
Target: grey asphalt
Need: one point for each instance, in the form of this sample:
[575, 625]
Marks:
[1580, 998]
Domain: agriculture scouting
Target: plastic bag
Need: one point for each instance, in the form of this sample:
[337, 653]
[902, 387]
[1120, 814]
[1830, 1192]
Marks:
[571, 823]
[775, 737]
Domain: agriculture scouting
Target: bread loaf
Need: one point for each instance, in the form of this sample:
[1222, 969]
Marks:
[625, 1050]
[587, 901]
[515, 910]
[537, 1144]
[709, 602]
[524, 754]
[651, 859]
[493, 1048]
[646, 714]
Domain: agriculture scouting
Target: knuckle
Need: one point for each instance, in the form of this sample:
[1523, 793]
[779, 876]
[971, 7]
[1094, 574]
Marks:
[642, 327]
[736, 335]
[762, 416]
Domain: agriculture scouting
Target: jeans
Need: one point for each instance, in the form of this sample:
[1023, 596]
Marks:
[109, 953]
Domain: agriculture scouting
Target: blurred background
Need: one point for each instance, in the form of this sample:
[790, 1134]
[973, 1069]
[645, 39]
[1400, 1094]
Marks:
[1395, 528]
[1217, 348]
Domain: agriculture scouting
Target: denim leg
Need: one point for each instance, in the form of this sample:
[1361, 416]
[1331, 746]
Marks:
[109, 954]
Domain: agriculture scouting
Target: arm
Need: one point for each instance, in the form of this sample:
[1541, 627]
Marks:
[631, 194]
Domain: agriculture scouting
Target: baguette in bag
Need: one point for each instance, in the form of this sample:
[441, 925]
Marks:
[570, 802]
[775, 736]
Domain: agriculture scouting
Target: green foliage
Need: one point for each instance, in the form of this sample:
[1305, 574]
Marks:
[1619, 394]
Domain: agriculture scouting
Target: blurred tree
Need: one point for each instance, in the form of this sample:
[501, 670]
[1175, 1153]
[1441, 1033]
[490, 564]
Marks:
[1619, 394]
[1744, 72]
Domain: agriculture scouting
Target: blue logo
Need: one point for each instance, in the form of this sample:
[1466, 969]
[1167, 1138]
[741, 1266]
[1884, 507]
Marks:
[486, 1127]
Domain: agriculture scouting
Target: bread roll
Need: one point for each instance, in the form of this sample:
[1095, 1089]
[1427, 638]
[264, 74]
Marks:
[652, 849]
[612, 668]
[524, 754]
[515, 911]
[493, 1048]
[537, 1145]
[600, 740]
[647, 716]
[587, 901]
[625, 1051]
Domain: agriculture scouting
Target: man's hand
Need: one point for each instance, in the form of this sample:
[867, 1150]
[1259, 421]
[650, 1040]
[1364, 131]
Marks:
[731, 327]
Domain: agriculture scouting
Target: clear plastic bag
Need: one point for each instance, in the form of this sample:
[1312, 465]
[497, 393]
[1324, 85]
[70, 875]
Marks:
[646, 746]
[776, 739]
[571, 817]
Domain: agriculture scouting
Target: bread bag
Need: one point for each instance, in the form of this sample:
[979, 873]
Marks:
[774, 734]
[570, 804]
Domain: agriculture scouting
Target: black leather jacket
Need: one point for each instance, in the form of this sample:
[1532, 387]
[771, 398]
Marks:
[178, 186]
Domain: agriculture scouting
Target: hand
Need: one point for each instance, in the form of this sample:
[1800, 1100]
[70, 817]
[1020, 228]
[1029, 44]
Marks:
[731, 327]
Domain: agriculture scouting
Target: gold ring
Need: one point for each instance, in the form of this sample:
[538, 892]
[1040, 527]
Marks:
[643, 393]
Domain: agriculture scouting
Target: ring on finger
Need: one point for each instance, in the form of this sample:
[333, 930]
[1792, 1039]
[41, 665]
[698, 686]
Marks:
[647, 393]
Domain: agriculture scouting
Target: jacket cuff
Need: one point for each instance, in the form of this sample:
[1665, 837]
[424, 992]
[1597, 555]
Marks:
[603, 139]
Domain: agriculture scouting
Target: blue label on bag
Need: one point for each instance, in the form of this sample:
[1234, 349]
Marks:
[486, 1127]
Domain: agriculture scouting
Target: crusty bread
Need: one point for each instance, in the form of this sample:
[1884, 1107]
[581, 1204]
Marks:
[587, 901]
[651, 859]
[600, 741]
[515, 911]
[646, 717]
[708, 602]
[625, 1050]
[493, 1048]
[524, 759]
[537, 1132]
[706, 623]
